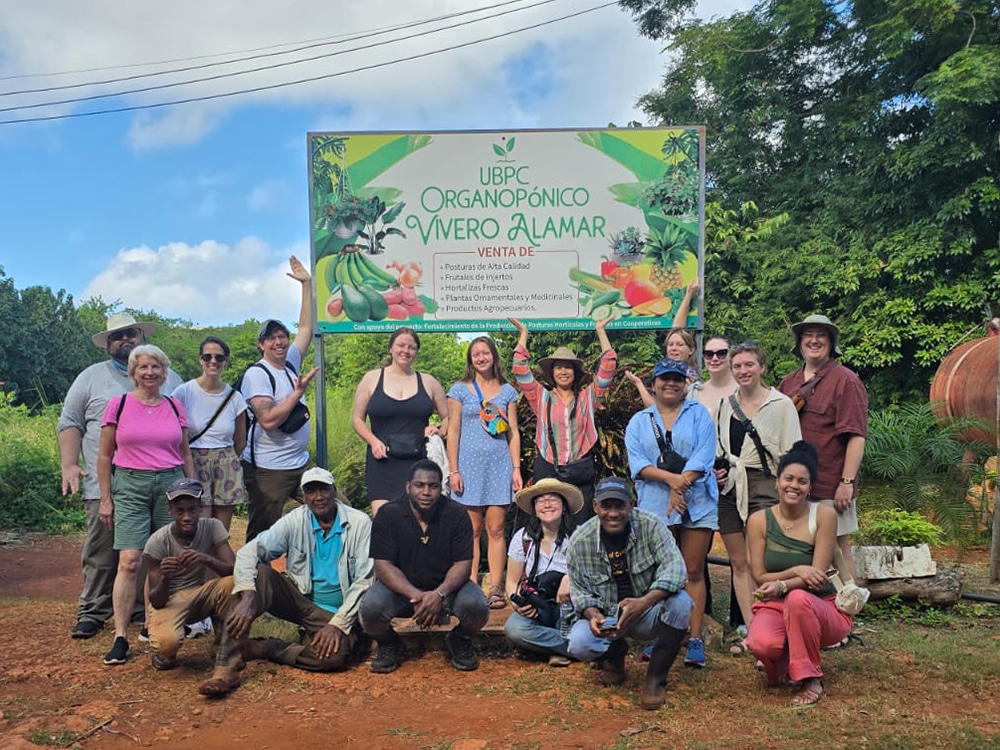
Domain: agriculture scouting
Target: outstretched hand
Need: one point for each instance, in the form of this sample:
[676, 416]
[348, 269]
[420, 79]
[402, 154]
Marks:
[298, 272]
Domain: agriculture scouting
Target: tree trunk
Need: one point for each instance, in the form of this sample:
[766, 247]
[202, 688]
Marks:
[995, 540]
[944, 589]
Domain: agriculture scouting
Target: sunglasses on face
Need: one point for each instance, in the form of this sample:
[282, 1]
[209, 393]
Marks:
[716, 353]
[206, 358]
[128, 333]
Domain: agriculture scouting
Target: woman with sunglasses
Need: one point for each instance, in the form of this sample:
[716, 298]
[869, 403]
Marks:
[217, 423]
[756, 426]
[484, 453]
[681, 346]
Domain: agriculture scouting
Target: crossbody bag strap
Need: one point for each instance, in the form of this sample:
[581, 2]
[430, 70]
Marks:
[664, 446]
[214, 416]
[762, 453]
[552, 434]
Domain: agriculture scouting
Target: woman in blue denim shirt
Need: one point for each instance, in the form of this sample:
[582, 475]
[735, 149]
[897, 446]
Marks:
[686, 493]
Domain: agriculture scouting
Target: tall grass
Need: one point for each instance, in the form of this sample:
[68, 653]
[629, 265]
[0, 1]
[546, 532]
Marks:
[345, 451]
[30, 491]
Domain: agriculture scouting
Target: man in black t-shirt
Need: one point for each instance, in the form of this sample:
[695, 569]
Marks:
[422, 547]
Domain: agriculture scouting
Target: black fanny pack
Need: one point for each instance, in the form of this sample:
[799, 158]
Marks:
[296, 419]
[406, 446]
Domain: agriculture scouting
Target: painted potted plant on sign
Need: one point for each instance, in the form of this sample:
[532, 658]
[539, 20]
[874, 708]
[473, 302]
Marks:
[895, 543]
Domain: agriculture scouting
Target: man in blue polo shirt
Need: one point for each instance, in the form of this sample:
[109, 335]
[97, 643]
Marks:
[327, 571]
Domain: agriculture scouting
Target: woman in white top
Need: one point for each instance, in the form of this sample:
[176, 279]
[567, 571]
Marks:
[756, 426]
[537, 584]
[217, 423]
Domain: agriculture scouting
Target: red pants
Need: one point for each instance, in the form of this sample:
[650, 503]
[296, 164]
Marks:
[787, 634]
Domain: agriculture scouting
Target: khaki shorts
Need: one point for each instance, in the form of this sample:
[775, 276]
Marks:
[847, 522]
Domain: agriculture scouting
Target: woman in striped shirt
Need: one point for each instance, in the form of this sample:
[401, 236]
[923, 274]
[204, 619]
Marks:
[564, 404]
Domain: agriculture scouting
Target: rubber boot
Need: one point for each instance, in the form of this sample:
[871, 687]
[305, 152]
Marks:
[668, 644]
[614, 663]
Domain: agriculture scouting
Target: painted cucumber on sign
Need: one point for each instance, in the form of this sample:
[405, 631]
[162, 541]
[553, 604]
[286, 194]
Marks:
[458, 231]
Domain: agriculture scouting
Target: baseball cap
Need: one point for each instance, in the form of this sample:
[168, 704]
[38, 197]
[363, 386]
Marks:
[317, 474]
[613, 488]
[185, 487]
[667, 366]
[269, 326]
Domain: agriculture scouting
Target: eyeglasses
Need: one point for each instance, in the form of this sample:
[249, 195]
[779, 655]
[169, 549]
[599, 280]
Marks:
[128, 333]
[716, 353]
[206, 358]
[548, 500]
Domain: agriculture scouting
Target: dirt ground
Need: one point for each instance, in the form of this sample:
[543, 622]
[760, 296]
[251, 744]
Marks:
[55, 691]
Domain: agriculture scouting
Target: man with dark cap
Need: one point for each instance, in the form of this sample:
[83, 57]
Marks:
[626, 578]
[277, 447]
[179, 557]
[79, 433]
[833, 411]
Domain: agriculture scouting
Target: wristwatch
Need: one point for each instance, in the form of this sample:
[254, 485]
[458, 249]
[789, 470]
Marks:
[845, 480]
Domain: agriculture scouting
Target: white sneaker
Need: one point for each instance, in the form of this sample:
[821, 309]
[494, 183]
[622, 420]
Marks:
[198, 629]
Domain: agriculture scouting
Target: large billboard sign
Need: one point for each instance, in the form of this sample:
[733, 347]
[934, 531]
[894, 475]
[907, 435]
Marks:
[458, 231]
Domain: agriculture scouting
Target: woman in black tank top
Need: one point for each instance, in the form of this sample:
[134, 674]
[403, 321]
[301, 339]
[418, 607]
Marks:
[392, 406]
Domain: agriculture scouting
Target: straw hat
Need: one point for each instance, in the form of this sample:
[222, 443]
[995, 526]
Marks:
[525, 499]
[119, 322]
[564, 354]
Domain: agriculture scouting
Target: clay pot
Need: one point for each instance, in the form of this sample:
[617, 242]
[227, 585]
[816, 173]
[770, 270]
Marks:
[965, 385]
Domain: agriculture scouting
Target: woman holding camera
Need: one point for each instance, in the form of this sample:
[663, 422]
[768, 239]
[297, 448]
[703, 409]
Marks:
[537, 583]
[757, 425]
[671, 452]
[565, 431]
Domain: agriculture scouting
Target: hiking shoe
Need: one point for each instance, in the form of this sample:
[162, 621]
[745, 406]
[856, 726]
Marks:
[695, 653]
[558, 660]
[463, 653]
[162, 663]
[118, 653]
[85, 629]
[388, 658]
[144, 634]
[198, 629]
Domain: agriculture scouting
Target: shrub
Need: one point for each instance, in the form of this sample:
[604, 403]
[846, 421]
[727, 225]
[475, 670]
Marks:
[897, 528]
[29, 473]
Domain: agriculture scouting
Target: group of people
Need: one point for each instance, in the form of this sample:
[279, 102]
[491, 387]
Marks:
[164, 463]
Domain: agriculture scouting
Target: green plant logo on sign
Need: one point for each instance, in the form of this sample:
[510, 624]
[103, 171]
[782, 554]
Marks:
[503, 150]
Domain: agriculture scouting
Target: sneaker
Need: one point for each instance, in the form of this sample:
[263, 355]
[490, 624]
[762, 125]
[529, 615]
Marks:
[118, 653]
[198, 629]
[388, 658]
[85, 629]
[741, 631]
[162, 663]
[463, 653]
[695, 653]
[144, 634]
[558, 660]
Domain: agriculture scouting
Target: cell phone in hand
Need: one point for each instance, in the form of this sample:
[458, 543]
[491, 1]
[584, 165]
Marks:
[611, 621]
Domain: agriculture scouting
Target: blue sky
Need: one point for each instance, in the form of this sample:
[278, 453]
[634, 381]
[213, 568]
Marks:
[193, 210]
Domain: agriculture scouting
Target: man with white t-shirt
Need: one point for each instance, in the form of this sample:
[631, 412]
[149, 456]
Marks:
[275, 457]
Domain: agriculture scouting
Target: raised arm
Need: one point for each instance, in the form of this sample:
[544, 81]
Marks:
[303, 336]
[684, 308]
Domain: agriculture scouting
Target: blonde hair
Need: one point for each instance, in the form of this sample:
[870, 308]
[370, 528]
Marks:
[147, 350]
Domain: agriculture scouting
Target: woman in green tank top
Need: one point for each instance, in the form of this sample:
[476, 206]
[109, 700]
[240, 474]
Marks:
[791, 549]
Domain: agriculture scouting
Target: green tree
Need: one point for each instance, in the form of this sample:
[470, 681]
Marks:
[874, 128]
[42, 347]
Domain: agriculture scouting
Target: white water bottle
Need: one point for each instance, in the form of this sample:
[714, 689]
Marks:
[565, 610]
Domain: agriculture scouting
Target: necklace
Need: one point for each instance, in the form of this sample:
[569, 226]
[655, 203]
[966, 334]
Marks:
[790, 524]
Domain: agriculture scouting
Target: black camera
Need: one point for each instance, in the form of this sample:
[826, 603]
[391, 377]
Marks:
[546, 610]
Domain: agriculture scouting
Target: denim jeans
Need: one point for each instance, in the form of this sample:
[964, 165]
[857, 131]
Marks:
[529, 634]
[380, 604]
[674, 611]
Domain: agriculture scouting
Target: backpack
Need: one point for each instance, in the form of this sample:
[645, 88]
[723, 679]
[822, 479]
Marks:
[252, 420]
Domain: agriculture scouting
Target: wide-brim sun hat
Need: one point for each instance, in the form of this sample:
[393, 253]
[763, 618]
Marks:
[816, 320]
[120, 322]
[525, 499]
[563, 354]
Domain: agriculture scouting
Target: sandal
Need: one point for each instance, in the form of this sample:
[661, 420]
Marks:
[739, 648]
[216, 687]
[496, 598]
[809, 695]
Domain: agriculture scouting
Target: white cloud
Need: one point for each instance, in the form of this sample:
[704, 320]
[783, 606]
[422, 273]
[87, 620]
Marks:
[597, 63]
[208, 283]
